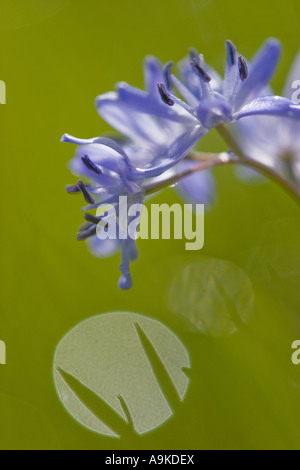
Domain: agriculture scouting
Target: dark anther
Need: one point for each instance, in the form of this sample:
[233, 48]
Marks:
[90, 232]
[243, 68]
[87, 196]
[201, 71]
[85, 227]
[92, 218]
[72, 189]
[167, 71]
[231, 52]
[194, 55]
[91, 165]
[164, 94]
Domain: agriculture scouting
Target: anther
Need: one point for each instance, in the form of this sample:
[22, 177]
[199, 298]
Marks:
[194, 55]
[72, 189]
[87, 196]
[243, 68]
[90, 232]
[164, 94]
[167, 70]
[92, 218]
[231, 52]
[91, 165]
[85, 227]
[200, 70]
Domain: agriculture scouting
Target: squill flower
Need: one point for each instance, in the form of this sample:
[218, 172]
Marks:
[151, 150]
[274, 141]
[114, 169]
[208, 100]
[158, 129]
[143, 117]
[241, 93]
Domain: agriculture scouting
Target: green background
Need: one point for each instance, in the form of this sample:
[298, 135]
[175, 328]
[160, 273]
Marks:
[56, 56]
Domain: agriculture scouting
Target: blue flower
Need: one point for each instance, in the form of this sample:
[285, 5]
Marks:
[143, 117]
[153, 145]
[241, 93]
[208, 99]
[274, 141]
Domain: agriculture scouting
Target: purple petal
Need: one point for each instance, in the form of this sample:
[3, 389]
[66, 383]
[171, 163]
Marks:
[153, 74]
[105, 157]
[191, 81]
[103, 248]
[185, 92]
[270, 105]
[197, 188]
[128, 120]
[142, 102]
[113, 144]
[231, 77]
[75, 140]
[125, 281]
[214, 110]
[261, 71]
[170, 155]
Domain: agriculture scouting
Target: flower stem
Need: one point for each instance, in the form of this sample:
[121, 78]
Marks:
[213, 161]
[230, 140]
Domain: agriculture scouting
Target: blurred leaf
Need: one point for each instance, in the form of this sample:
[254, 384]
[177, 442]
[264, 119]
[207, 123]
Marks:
[216, 296]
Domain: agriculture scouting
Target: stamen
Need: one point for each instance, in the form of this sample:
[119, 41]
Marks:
[167, 70]
[243, 68]
[231, 52]
[91, 165]
[200, 70]
[90, 232]
[72, 189]
[87, 196]
[85, 227]
[194, 55]
[92, 218]
[164, 94]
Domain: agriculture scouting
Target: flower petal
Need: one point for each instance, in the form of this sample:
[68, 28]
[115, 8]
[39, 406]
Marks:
[270, 105]
[153, 75]
[103, 248]
[170, 155]
[198, 187]
[105, 157]
[144, 103]
[185, 92]
[191, 80]
[75, 140]
[231, 76]
[214, 110]
[113, 144]
[138, 126]
[261, 70]
[125, 281]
